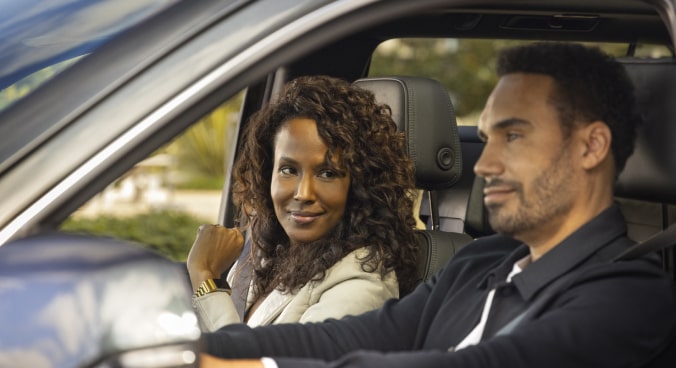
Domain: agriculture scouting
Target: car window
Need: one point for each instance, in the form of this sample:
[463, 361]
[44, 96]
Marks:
[465, 66]
[163, 199]
[40, 40]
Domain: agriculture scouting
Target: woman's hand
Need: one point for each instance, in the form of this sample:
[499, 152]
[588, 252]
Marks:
[215, 249]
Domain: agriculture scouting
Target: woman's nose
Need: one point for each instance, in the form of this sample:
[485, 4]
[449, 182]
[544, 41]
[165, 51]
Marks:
[305, 189]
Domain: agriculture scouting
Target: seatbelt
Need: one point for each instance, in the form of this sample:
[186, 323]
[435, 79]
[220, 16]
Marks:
[540, 302]
[662, 240]
[243, 275]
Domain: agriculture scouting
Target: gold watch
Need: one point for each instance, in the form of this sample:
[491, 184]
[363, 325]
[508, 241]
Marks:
[210, 285]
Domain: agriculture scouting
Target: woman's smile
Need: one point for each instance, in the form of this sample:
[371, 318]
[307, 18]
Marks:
[303, 217]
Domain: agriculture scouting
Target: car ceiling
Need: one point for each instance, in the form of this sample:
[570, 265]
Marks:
[624, 21]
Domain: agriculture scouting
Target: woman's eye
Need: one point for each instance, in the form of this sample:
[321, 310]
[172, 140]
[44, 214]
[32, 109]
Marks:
[285, 170]
[327, 174]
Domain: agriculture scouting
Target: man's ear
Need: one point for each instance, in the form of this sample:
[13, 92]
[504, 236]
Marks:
[596, 138]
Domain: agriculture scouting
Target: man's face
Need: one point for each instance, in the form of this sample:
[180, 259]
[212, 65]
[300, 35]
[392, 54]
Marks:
[526, 162]
[309, 195]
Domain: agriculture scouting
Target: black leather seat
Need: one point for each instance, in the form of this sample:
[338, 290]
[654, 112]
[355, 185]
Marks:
[461, 207]
[422, 109]
[646, 188]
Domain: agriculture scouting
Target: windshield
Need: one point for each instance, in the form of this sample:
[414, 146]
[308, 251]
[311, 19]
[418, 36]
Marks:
[41, 38]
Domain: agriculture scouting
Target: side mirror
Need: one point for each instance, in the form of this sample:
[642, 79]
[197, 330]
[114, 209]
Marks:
[79, 301]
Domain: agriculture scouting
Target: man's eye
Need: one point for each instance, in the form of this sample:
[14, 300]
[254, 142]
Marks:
[513, 136]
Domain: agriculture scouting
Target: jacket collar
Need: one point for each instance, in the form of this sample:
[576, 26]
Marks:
[272, 307]
[573, 251]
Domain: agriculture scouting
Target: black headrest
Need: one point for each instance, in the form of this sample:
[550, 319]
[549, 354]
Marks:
[650, 173]
[422, 109]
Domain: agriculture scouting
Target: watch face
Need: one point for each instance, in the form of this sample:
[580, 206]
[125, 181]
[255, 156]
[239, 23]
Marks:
[221, 284]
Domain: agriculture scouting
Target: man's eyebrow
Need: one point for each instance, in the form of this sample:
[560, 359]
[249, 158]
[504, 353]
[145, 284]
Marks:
[509, 123]
[504, 124]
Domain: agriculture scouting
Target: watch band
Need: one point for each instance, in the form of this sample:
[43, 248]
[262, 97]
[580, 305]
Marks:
[210, 285]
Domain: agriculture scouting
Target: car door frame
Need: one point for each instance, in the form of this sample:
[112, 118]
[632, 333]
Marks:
[143, 130]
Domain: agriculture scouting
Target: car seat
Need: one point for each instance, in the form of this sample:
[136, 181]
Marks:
[460, 207]
[646, 188]
[422, 109]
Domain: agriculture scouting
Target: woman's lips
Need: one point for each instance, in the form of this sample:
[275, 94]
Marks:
[304, 218]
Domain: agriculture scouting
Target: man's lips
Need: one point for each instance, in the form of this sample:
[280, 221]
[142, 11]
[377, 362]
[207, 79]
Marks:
[497, 194]
[304, 217]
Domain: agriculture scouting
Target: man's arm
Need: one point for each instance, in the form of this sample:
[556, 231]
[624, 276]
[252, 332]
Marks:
[392, 327]
[614, 316]
[400, 325]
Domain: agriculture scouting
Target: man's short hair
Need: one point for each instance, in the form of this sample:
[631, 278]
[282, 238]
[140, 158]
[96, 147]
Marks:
[590, 86]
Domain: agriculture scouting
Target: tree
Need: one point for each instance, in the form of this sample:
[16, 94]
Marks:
[201, 152]
[466, 67]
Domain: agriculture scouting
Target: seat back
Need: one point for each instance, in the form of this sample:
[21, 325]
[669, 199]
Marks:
[422, 109]
[646, 188]
[461, 206]
[647, 185]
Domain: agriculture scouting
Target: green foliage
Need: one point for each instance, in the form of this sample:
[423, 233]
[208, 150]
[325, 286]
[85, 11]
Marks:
[169, 233]
[465, 67]
[198, 182]
[202, 152]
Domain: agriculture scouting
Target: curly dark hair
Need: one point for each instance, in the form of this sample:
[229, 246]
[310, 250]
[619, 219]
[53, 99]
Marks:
[379, 208]
[590, 86]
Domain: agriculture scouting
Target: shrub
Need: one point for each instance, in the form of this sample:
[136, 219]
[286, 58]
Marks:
[169, 233]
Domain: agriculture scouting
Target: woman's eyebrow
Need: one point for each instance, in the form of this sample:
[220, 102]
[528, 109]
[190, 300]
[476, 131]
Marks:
[287, 160]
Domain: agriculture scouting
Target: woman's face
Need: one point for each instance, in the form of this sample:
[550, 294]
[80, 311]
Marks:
[308, 195]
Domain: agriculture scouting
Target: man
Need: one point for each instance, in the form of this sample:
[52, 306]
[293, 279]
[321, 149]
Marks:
[558, 129]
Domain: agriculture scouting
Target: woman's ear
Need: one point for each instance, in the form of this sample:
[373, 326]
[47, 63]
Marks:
[596, 138]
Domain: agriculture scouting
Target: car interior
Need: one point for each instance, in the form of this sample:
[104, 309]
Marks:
[454, 213]
[421, 109]
[644, 189]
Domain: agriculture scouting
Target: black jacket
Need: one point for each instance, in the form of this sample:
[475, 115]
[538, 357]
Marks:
[580, 309]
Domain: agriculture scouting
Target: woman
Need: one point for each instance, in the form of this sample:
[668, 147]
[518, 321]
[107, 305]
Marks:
[327, 187]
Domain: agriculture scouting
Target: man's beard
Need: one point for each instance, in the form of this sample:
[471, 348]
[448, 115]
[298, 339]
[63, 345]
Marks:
[550, 197]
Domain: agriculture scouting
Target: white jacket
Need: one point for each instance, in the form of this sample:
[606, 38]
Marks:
[345, 290]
